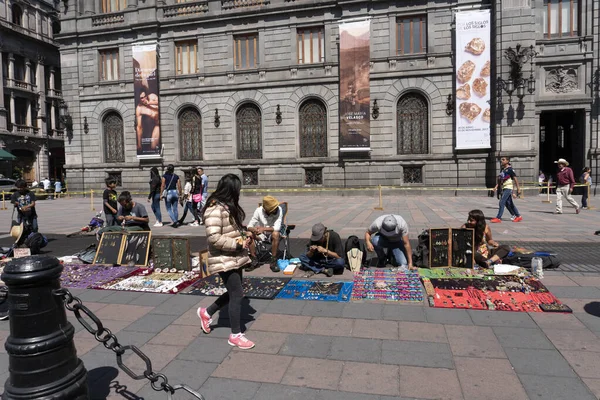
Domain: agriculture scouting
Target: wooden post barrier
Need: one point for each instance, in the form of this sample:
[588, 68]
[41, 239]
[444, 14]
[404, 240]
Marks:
[589, 190]
[380, 201]
[92, 200]
[3, 201]
[547, 194]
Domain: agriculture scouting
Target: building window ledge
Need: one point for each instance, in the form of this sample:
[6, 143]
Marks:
[15, 84]
[186, 9]
[237, 4]
[25, 129]
[108, 19]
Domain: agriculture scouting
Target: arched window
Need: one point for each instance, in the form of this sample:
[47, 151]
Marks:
[17, 15]
[112, 127]
[313, 129]
[249, 132]
[413, 124]
[190, 134]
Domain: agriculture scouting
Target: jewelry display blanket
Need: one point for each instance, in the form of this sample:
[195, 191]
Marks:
[83, 276]
[316, 290]
[254, 287]
[147, 280]
[452, 272]
[382, 284]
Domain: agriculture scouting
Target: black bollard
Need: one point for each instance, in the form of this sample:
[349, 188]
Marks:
[43, 362]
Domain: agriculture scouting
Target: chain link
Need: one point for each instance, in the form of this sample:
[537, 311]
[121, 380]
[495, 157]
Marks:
[158, 381]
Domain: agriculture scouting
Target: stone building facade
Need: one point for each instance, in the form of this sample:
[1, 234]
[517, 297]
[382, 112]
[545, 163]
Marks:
[229, 67]
[30, 90]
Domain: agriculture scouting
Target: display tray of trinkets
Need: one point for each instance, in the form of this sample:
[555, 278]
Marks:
[254, 287]
[83, 276]
[155, 280]
[387, 284]
[316, 290]
[451, 247]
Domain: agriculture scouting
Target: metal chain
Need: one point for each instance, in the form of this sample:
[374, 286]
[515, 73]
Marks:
[158, 381]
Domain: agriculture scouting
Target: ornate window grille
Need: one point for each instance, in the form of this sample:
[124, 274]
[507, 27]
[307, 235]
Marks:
[190, 134]
[117, 176]
[250, 177]
[249, 132]
[313, 129]
[413, 124]
[112, 126]
[313, 176]
[413, 174]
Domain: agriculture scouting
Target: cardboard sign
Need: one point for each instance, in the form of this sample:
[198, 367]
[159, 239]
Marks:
[21, 252]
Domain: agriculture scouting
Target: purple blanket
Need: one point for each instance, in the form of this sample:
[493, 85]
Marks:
[83, 276]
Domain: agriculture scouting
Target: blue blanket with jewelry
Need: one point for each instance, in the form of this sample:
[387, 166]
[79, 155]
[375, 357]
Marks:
[316, 290]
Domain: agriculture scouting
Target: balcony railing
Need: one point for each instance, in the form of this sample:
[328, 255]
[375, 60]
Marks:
[56, 133]
[54, 93]
[184, 9]
[108, 19]
[13, 83]
[234, 4]
[26, 129]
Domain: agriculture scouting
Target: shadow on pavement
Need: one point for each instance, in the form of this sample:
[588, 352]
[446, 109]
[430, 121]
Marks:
[593, 308]
[99, 381]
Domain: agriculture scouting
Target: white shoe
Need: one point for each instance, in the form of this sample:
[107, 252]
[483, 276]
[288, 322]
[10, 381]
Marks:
[513, 217]
[158, 223]
[194, 224]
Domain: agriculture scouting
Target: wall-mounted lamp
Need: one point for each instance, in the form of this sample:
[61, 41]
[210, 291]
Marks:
[450, 105]
[217, 118]
[65, 117]
[86, 127]
[375, 113]
[518, 57]
[278, 115]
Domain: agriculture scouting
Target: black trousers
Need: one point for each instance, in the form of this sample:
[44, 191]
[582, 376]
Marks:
[233, 297]
[500, 251]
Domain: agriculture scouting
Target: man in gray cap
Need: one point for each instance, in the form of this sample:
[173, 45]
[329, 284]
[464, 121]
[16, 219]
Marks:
[324, 252]
[389, 233]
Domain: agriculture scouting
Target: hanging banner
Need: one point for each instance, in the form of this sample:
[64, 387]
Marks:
[473, 113]
[145, 87]
[355, 97]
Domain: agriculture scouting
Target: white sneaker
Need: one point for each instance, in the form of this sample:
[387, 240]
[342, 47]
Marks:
[513, 217]
[194, 224]
[158, 223]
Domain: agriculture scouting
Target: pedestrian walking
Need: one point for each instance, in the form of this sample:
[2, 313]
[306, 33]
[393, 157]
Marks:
[57, 188]
[186, 200]
[24, 200]
[586, 178]
[170, 191]
[565, 182]
[227, 255]
[507, 181]
[154, 195]
[204, 192]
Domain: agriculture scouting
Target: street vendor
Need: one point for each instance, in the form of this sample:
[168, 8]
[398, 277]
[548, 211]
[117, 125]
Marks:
[489, 252]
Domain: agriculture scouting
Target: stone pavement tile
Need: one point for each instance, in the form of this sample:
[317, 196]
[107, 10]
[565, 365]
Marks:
[448, 316]
[121, 297]
[228, 389]
[280, 392]
[3, 363]
[285, 306]
[417, 382]
[495, 318]
[487, 378]
[331, 395]
[580, 305]
[323, 309]
[418, 354]
[176, 305]
[559, 280]
[557, 321]
[400, 312]
[99, 358]
[524, 338]
[95, 295]
[354, 349]
[281, 323]
[190, 373]
[159, 354]
[555, 388]
[190, 318]
[370, 378]
[206, 349]
[137, 339]
[422, 332]
[253, 367]
[593, 385]
[314, 373]
[125, 383]
[330, 326]
[584, 340]
[177, 335]
[151, 299]
[586, 364]
[363, 310]
[153, 323]
[371, 329]
[94, 306]
[3, 336]
[571, 292]
[585, 280]
[474, 341]
[592, 322]
[539, 362]
[305, 345]
[84, 343]
[266, 342]
[122, 312]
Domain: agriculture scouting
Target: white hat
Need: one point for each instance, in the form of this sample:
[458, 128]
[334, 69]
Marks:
[16, 232]
[562, 161]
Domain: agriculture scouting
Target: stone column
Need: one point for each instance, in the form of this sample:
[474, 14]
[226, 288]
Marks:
[41, 89]
[37, 22]
[2, 105]
[27, 70]
[43, 158]
[52, 115]
[11, 66]
[51, 80]
[49, 22]
[88, 7]
[28, 116]
[12, 110]
[132, 3]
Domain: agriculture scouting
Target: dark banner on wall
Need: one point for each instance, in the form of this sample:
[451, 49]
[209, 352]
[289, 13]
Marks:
[355, 98]
[147, 115]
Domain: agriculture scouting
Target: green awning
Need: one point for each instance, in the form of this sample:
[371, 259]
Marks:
[6, 156]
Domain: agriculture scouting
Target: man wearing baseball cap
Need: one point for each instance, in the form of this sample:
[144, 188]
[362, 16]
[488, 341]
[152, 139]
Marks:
[389, 234]
[565, 182]
[323, 252]
[265, 225]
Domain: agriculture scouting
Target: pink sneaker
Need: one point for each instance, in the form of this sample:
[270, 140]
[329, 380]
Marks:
[240, 341]
[205, 319]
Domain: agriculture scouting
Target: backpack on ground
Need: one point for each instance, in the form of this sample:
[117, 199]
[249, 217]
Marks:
[355, 253]
[549, 261]
[36, 241]
[421, 252]
[87, 255]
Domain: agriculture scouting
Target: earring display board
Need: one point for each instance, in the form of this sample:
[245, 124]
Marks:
[171, 252]
[136, 248]
[109, 249]
[451, 248]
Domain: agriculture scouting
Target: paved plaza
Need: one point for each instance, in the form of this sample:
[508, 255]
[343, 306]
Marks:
[358, 350]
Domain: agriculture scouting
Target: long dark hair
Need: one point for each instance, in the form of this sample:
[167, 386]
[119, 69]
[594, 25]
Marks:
[170, 169]
[154, 172]
[480, 224]
[228, 193]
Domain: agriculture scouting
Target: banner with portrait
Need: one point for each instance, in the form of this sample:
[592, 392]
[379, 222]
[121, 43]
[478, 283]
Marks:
[355, 97]
[473, 64]
[147, 110]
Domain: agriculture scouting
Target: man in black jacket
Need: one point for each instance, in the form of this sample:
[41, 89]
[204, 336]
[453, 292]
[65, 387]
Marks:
[324, 253]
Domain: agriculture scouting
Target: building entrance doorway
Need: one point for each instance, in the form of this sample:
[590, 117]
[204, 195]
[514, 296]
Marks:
[23, 167]
[562, 135]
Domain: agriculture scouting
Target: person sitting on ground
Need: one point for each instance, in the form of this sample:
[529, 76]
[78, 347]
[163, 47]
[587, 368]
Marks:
[484, 256]
[324, 252]
[132, 215]
[389, 234]
[265, 226]
[24, 201]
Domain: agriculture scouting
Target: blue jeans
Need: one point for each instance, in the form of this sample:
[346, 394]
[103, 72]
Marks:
[32, 221]
[381, 244]
[188, 206]
[507, 201]
[319, 265]
[156, 207]
[171, 204]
